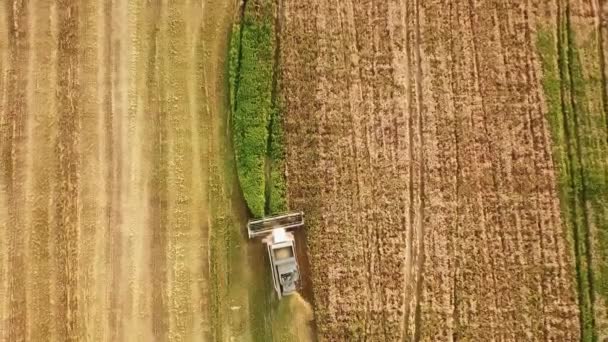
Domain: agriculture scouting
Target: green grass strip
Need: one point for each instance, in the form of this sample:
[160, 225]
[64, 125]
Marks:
[276, 202]
[556, 84]
[256, 120]
[252, 102]
[579, 151]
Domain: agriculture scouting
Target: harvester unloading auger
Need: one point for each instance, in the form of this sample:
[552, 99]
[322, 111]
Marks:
[281, 248]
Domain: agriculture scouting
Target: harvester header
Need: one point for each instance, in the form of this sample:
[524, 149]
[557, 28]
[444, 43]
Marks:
[264, 226]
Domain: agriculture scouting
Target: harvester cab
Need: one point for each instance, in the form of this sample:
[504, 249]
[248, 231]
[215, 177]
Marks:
[281, 247]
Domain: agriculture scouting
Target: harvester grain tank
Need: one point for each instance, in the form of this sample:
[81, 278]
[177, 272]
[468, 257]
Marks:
[281, 248]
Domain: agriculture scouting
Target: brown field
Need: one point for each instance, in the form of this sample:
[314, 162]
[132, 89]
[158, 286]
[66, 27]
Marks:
[417, 141]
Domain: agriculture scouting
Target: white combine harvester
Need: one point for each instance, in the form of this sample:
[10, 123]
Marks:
[281, 248]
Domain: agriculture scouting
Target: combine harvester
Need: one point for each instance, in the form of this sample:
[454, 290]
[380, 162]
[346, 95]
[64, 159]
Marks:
[281, 248]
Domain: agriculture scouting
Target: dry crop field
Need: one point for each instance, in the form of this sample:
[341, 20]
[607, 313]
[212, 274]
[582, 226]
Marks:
[120, 218]
[420, 140]
[451, 158]
[101, 198]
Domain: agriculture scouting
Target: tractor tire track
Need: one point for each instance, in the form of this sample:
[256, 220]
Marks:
[158, 186]
[4, 219]
[112, 120]
[93, 285]
[13, 156]
[66, 150]
[409, 235]
[420, 229]
[40, 171]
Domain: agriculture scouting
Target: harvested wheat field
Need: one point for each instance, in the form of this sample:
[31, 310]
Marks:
[120, 213]
[420, 139]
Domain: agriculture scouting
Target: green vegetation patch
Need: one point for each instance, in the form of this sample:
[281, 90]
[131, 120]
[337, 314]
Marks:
[579, 156]
[276, 192]
[256, 121]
